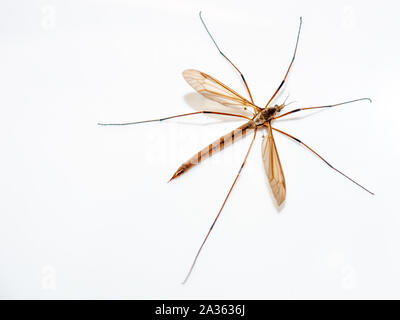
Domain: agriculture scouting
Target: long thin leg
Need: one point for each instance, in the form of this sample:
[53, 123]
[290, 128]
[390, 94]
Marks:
[327, 106]
[220, 210]
[171, 117]
[290, 66]
[290, 136]
[222, 54]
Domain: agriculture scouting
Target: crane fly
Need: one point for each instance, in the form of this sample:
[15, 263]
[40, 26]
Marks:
[257, 119]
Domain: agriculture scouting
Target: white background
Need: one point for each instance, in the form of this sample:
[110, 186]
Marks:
[86, 212]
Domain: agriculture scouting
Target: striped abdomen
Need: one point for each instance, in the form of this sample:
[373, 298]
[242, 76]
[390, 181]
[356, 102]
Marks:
[214, 147]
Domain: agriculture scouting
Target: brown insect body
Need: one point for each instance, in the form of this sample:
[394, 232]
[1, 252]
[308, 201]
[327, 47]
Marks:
[260, 119]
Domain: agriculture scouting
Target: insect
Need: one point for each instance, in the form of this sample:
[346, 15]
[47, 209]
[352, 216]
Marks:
[257, 119]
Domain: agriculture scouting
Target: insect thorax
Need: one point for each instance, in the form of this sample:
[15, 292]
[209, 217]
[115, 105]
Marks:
[266, 115]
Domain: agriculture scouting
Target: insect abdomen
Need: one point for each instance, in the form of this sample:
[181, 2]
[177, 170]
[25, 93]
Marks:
[214, 147]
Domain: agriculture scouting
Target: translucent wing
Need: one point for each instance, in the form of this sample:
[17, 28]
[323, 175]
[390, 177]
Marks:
[273, 167]
[215, 90]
